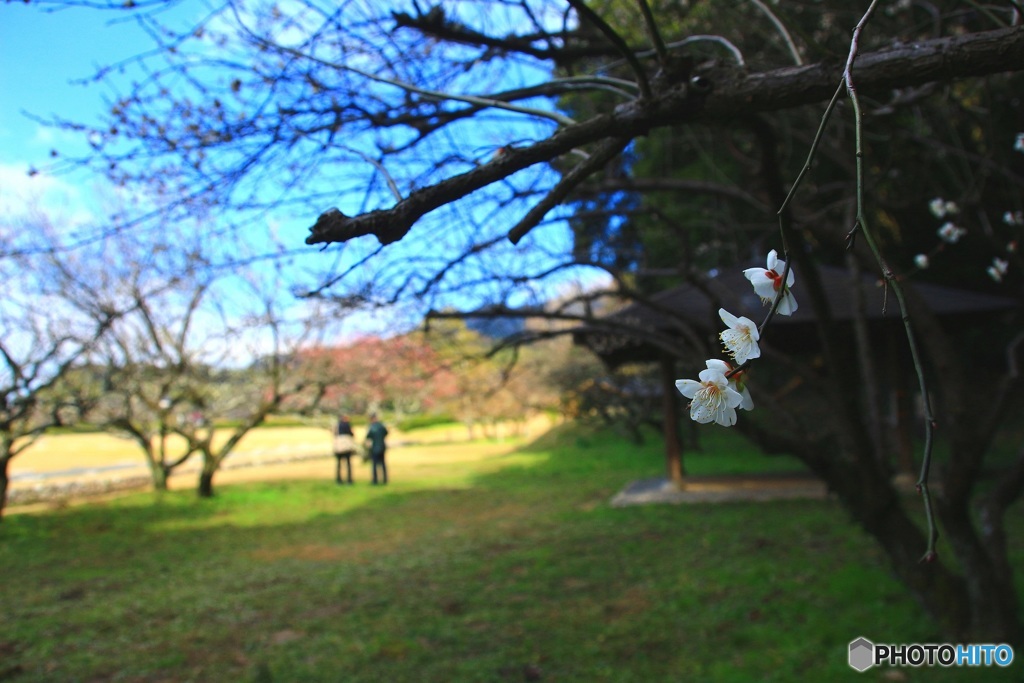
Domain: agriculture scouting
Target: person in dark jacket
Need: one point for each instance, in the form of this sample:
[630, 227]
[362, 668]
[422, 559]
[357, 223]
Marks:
[376, 446]
[344, 447]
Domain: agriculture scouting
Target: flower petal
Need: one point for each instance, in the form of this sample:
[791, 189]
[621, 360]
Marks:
[714, 376]
[788, 305]
[765, 289]
[732, 398]
[747, 403]
[688, 387]
[718, 365]
[726, 417]
[701, 413]
[756, 275]
[728, 318]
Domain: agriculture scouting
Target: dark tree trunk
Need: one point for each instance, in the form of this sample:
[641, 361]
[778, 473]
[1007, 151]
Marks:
[159, 474]
[670, 421]
[4, 481]
[994, 613]
[205, 489]
[160, 481]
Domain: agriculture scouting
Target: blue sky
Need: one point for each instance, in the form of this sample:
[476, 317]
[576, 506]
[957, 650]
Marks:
[41, 55]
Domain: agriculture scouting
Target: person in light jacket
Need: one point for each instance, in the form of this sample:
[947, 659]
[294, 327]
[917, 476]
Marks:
[344, 447]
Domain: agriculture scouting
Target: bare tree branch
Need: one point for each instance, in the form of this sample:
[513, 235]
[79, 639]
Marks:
[732, 94]
[608, 150]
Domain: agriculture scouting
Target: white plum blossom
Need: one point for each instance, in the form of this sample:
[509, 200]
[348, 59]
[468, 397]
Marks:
[998, 269]
[941, 208]
[921, 261]
[1018, 144]
[740, 339]
[711, 399]
[1014, 217]
[768, 281]
[951, 233]
[736, 381]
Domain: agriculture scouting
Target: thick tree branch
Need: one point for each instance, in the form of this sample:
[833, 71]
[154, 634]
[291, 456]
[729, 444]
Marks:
[608, 150]
[735, 94]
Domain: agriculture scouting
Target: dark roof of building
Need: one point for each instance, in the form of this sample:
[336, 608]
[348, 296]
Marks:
[697, 305]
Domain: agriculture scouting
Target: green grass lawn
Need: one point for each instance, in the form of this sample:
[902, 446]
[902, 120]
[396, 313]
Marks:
[500, 568]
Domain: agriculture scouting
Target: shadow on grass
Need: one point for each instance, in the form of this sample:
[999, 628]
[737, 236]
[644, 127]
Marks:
[522, 573]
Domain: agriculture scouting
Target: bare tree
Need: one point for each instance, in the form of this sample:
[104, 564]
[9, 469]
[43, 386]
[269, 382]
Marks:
[44, 339]
[152, 365]
[201, 355]
[269, 334]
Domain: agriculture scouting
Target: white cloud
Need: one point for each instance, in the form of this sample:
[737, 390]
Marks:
[24, 196]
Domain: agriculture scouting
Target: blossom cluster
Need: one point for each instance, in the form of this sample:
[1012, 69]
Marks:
[950, 233]
[720, 388]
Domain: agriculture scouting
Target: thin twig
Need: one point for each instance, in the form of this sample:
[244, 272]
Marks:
[814, 147]
[392, 185]
[652, 31]
[781, 213]
[608, 150]
[409, 87]
[590, 15]
[781, 28]
[689, 40]
[897, 289]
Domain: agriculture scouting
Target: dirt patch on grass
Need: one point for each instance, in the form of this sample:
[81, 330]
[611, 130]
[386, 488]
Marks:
[722, 489]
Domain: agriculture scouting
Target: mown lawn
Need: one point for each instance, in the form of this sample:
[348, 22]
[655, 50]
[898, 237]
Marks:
[495, 568]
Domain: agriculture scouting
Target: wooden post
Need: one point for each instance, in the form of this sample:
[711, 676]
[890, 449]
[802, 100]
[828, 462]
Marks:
[670, 411]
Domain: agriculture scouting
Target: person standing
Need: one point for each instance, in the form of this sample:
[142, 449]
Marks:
[344, 447]
[375, 444]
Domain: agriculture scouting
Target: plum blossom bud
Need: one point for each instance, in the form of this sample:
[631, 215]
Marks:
[941, 208]
[921, 261]
[998, 269]
[951, 233]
